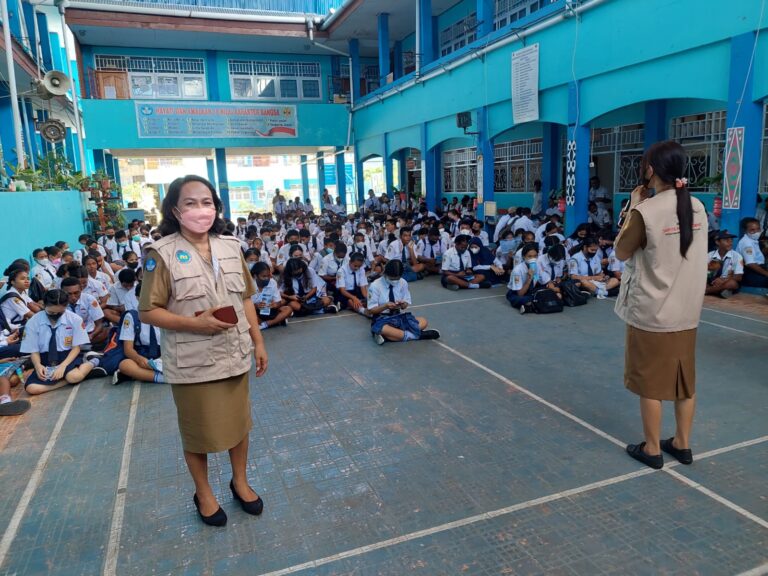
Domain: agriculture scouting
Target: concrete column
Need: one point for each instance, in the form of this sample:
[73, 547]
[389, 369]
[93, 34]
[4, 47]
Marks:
[397, 57]
[341, 175]
[577, 188]
[402, 167]
[746, 114]
[383, 33]
[656, 126]
[210, 166]
[387, 164]
[109, 165]
[359, 181]
[116, 171]
[430, 171]
[485, 147]
[7, 134]
[485, 14]
[304, 177]
[354, 73]
[426, 45]
[551, 158]
[223, 182]
[211, 75]
[320, 174]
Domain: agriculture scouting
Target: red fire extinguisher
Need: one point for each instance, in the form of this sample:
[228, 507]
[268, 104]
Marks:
[561, 205]
[717, 208]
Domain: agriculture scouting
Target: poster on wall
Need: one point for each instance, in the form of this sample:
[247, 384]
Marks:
[525, 84]
[734, 153]
[215, 120]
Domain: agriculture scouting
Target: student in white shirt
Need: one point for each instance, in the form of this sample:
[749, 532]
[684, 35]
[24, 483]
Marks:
[551, 268]
[360, 246]
[54, 338]
[304, 290]
[87, 307]
[15, 302]
[457, 270]
[597, 193]
[599, 215]
[43, 270]
[270, 308]
[108, 242]
[406, 250]
[122, 296]
[550, 230]
[291, 239]
[524, 221]
[388, 298]
[587, 270]
[140, 351]
[726, 267]
[755, 269]
[478, 232]
[524, 279]
[331, 264]
[352, 285]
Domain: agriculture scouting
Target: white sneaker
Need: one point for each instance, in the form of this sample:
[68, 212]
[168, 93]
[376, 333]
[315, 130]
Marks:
[156, 365]
[379, 339]
[91, 355]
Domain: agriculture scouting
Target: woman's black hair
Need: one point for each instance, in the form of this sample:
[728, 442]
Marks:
[127, 275]
[549, 242]
[89, 257]
[583, 226]
[62, 271]
[258, 268]
[293, 268]
[55, 297]
[669, 161]
[12, 272]
[393, 269]
[356, 256]
[252, 252]
[129, 253]
[53, 250]
[170, 223]
[556, 252]
[37, 251]
[528, 246]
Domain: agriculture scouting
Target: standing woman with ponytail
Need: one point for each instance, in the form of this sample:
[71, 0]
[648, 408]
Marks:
[664, 243]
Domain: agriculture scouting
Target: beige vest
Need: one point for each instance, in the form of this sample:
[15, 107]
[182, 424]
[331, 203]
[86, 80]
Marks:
[191, 358]
[660, 290]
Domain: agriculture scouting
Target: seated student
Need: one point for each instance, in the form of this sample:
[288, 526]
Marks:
[457, 270]
[304, 290]
[271, 309]
[551, 230]
[306, 239]
[131, 261]
[526, 237]
[755, 268]
[599, 216]
[605, 241]
[98, 269]
[726, 267]
[360, 246]
[54, 338]
[87, 307]
[44, 271]
[431, 251]
[550, 267]
[54, 256]
[352, 285]
[505, 252]
[615, 266]
[483, 261]
[10, 341]
[388, 298]
[66, 258]
[524, 280]
[330, 266]
[16, 304]
[90, 286]
[291, 239]
[478, 232]
[573, 242]
[585, 268]
[405, 250]
[542, 229]
[124, 245]
[9, 378]
[122, 296]
[258, 244]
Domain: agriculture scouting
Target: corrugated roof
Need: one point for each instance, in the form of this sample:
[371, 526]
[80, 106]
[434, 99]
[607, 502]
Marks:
[252, 7]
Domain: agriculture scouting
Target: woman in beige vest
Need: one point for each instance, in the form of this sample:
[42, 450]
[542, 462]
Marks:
[664, 243]
[188, 275]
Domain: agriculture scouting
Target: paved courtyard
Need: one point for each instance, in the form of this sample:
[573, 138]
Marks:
[495, 450]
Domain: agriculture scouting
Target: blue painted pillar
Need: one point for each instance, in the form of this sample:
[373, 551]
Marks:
[116, 171]
[485, 13]
[341, 175]
[320, 173]
[550, 165]
[383, 25]
[397, 57]
[745, 114]
[354, 73]
[304, 177]
[402, 168]
[426, 32]
[221, 173]
[655, 122]
[45, 40]
[34, 145]
[71, 147]
[109, 165]
[7, 135]
[210, 166]
[211, 75]
[484, 147]
[387, 165]
[577, 174]
[359, 180]
[430, 166]
[15, 19]
[161, 192]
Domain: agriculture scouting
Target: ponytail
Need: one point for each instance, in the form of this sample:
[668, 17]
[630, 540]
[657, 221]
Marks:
[684, 218]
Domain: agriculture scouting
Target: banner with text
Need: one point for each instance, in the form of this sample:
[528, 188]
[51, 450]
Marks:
[215, 120]
[525, 85]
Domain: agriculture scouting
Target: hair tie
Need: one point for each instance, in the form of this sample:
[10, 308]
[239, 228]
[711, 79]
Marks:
[680, 182]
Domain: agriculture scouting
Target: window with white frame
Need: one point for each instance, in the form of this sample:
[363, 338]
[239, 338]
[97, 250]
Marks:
[703, 137]
[517, 165]
[160, 78]
[510, 11]
[267, 80]
[240, 194]
[460, 171]
[458, 35]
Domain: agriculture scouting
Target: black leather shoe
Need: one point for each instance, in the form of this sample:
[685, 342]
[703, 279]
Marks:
[683, 455]
[218, 518]
[254, 508]
[637, 452]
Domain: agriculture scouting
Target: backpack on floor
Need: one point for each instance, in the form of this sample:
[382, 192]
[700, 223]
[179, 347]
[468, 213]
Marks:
[572, 296]
[545, 301]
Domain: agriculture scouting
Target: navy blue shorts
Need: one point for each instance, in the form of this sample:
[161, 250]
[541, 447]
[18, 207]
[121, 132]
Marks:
[33, 378]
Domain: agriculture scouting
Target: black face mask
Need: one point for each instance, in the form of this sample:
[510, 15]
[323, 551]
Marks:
[132, 265]
[262, 283]
[294, 242]
[54, 317]
[591, 255]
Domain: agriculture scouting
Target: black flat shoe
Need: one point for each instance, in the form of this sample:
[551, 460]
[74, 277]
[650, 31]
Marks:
[637, 452]
[683, 455]
[14, 408]
[218, 518]
[254, 508]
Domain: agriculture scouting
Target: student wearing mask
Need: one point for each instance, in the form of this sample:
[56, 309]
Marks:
[725, 268]
[755, 268]
[587, 270]
[352, 285]
[573, 242]
[405, 250]
[388, 298]
[304, 290]
[478, 232]
[524, 280]
[16, 304]
[331, 264]
[598, 215]
[89, 310]
[270, 307]
[131, 260]
[431, 250]
[140, 351]
[505, 252]
[108, 242]
[360, 246]
[551, 269]
[291, 239]
[483, 261]
[457, 270]
[124, 245]
[43, 270]
[53, 338]
[122, 296]
[526, 237]
[54, 256]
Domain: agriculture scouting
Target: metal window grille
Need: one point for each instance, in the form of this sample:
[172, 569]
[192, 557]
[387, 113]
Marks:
[163, 77]
[274, 80]
[517, 165]
[510, 11]
[703, 137]
[460, 171]
[458, 35]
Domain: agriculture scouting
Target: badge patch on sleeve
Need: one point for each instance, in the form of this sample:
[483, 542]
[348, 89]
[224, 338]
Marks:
[150, 265]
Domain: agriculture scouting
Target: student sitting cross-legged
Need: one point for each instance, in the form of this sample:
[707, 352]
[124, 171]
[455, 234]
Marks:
[137, 351]
[587, 270]
[122, 296]
[405, 250]
[352, 285]
[271, 309]
[726, 267]
[87, 307]
[524, 280]
[54, 338]
[388, 298]
[304, 290]
[551, 268]
[457, 267]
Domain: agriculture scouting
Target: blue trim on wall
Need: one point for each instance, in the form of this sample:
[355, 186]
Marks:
[383, 36]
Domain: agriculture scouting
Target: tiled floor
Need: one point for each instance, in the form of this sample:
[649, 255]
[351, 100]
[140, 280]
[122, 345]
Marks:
[491, 452]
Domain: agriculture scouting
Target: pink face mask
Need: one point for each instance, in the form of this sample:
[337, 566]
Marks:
[300, 225]
[197, 220]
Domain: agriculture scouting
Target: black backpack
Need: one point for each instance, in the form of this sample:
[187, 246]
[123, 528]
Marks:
[545, 301]
[572, 296]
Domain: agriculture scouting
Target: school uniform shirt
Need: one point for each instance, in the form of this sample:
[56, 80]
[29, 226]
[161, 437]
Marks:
[119, 296]
[365, 250]
[396, 251]
[372, 204]
[432, 251]
[600, 218]
[543, 238]
[579, 266]
[383, 246]
[378, 292]
[70, 332]
[731, 262]
[501, 224]
[107, 245]
[105, 280]
[524, 223]
[483, 237]
[128, 332]
[15, 308]
[88, 309]
[518, 257]
[330, 265]
[349, 280]
[518, 277]
[316, 261]
[95, 289]
[130, 246]
[614, 264]
[549, 270]
[750, 251]
[314, 282]
[269, 294]
[282, 254]
[598, 195]
[45, 274]
[454, 262]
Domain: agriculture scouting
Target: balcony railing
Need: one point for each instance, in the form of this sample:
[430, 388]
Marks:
[258, 7]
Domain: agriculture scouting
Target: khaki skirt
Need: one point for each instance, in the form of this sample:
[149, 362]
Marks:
[660, 365]
[213, 416]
